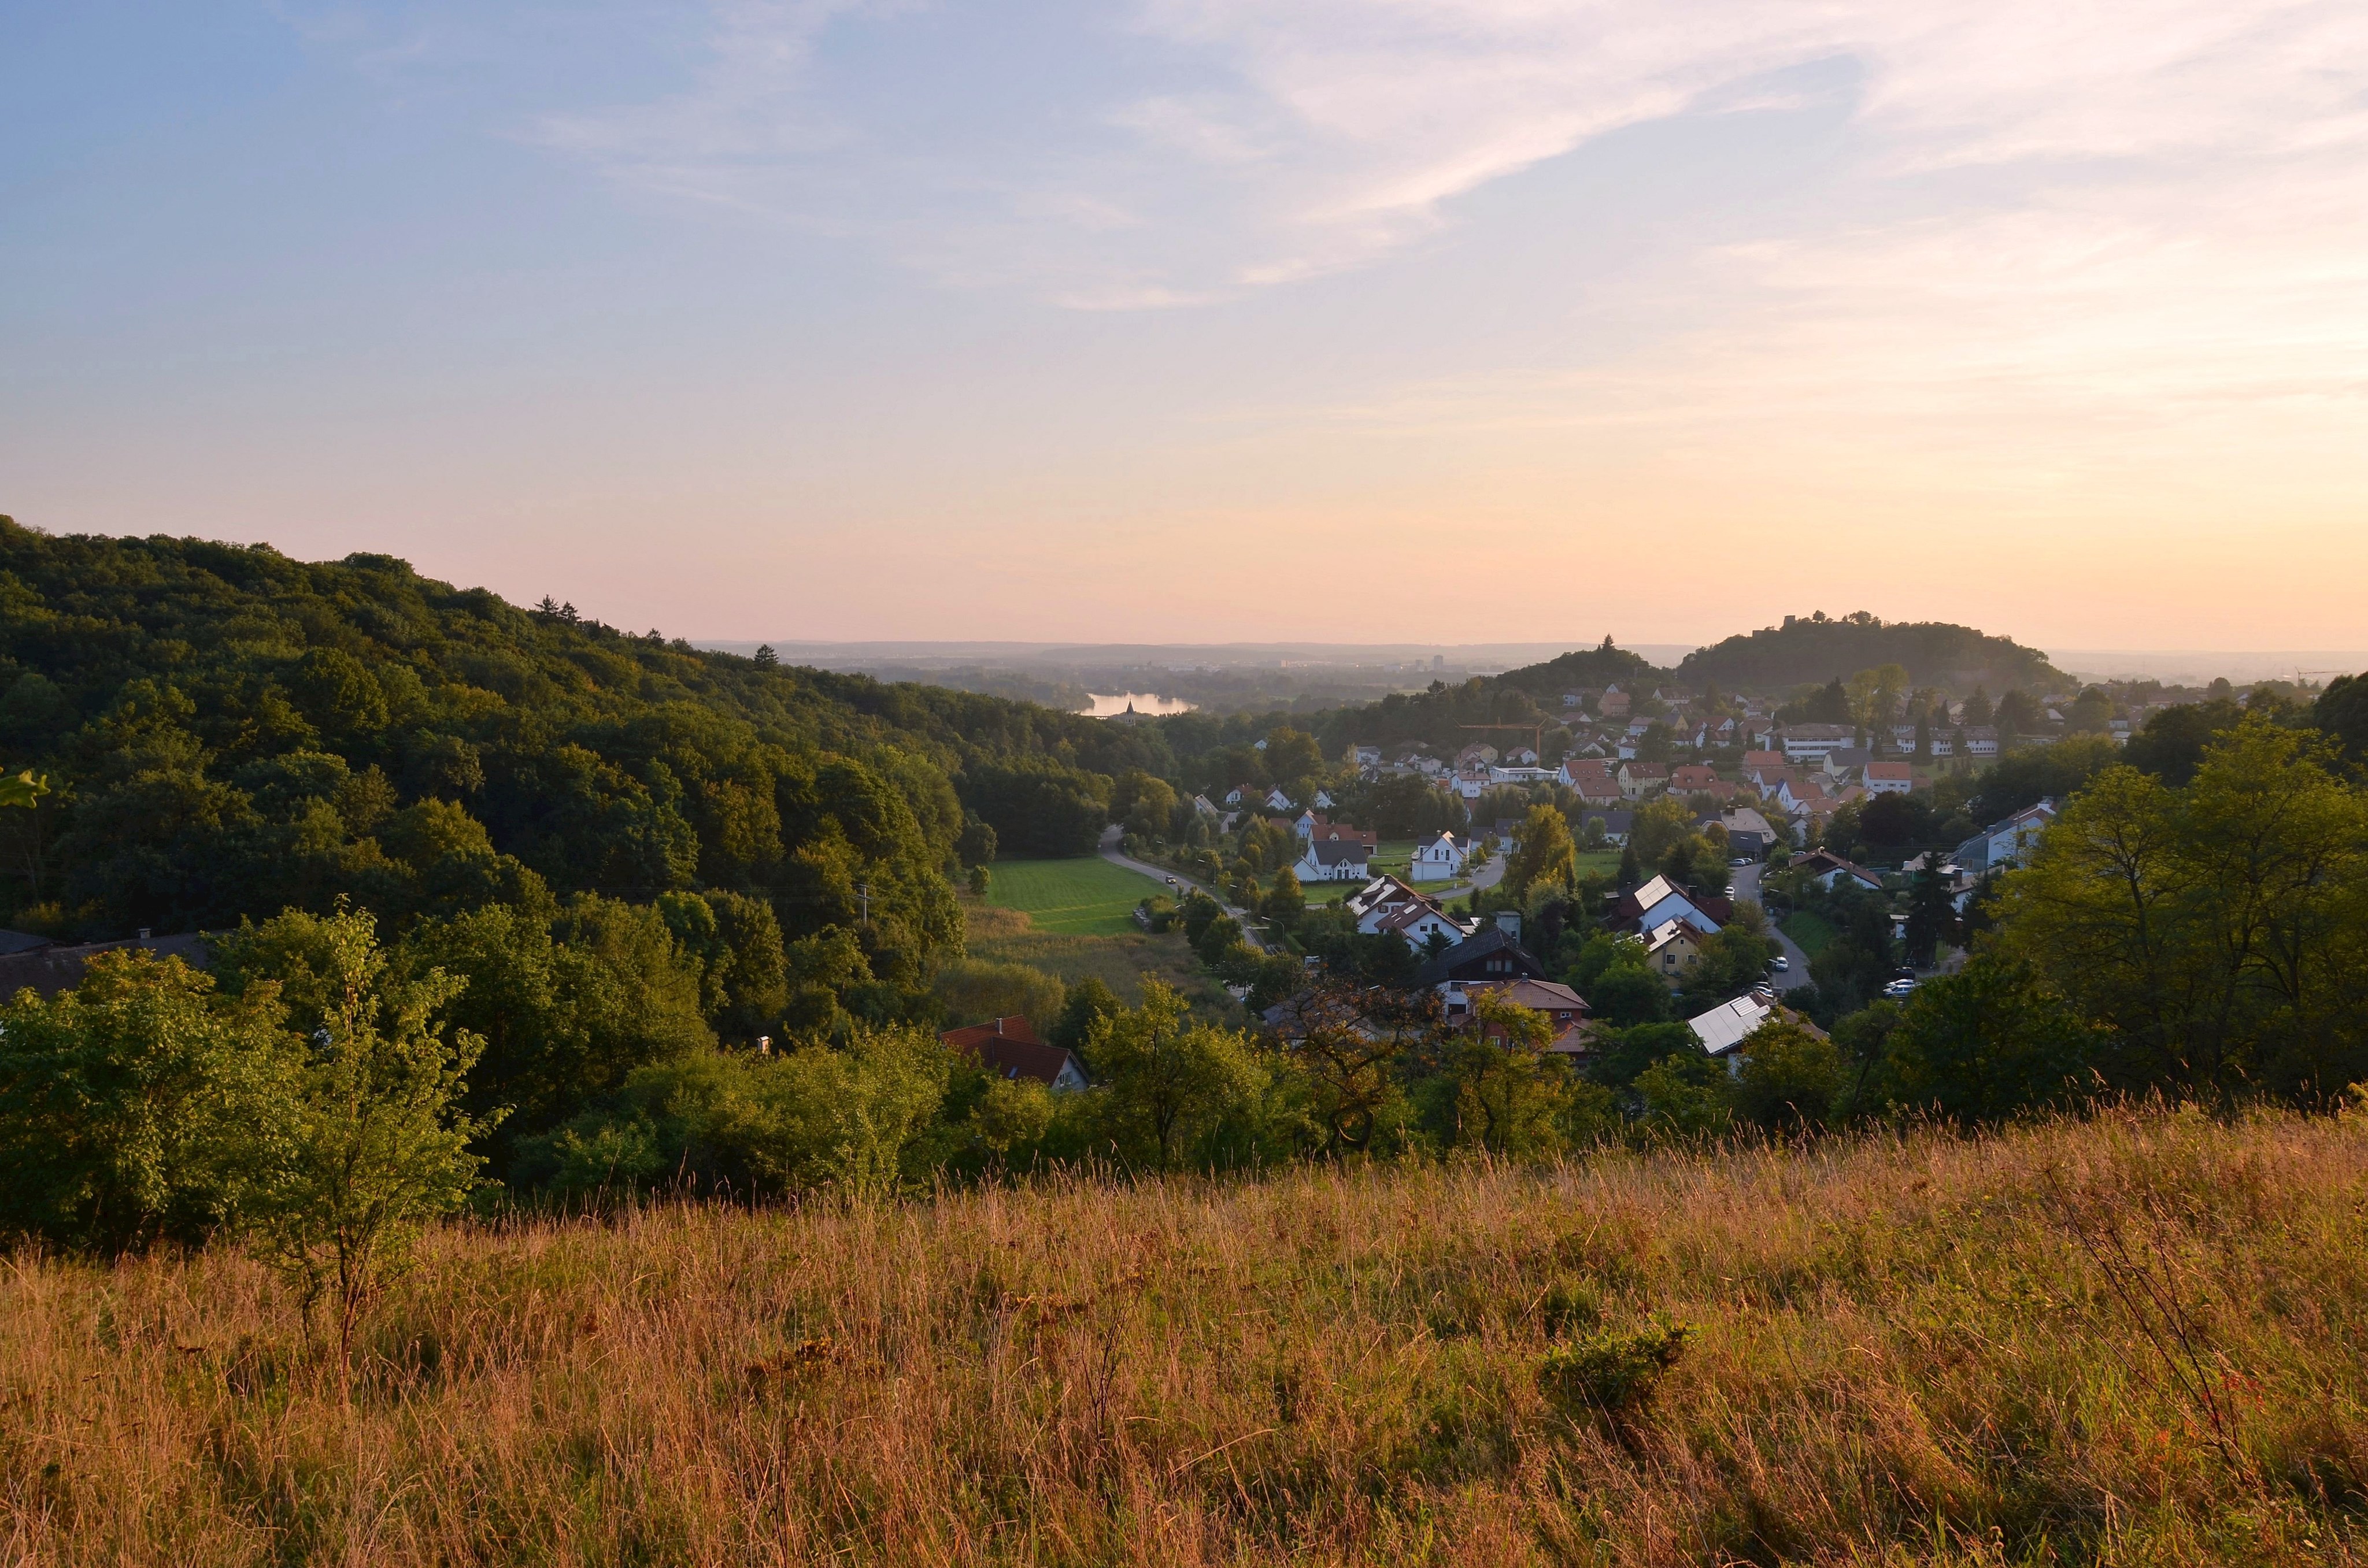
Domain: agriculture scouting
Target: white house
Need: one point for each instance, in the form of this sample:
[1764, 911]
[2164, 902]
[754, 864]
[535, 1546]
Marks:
[1889, 777]
[1202, 804]
[2005, 844]
[1276, 801]
[1441, 860]
[1387, 905]
[1233, 797]
[1323, 801]
[1660, 900]
[1333, 860]
[1825, 868]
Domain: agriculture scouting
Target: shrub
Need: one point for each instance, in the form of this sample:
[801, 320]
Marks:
[1610, 1373]
[1570, 1306]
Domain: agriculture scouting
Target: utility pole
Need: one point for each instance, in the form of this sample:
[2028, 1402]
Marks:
[863, 891]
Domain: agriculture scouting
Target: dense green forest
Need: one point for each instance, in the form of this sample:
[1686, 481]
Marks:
[1814, 648]
[229, 732]
[623, 847]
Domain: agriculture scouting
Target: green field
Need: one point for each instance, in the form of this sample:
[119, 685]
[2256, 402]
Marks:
[1597, 862]
[1810, 930]
[1084, 897]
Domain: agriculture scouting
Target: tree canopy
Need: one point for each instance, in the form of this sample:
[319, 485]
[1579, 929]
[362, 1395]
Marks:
[1814, 648]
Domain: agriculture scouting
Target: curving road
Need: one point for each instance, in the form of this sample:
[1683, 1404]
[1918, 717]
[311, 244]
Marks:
[1254, 935]
[1746, 886]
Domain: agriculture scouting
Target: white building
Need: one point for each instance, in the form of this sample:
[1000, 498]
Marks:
[2007, 843]
[1441, 860]
[1804, 742]
[1889, 777]
[1333, 860]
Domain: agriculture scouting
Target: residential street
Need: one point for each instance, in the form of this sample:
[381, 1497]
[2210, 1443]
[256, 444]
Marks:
[1746, 886]
[1251, 933]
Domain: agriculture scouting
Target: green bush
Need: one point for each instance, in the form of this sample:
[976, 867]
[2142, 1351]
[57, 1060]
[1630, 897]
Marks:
[1610, 1373]
[1570, 1306]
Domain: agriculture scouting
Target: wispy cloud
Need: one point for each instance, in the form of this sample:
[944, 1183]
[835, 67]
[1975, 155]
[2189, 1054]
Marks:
[1324, 134]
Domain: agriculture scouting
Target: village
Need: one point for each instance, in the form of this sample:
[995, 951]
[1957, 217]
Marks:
[1758, 866]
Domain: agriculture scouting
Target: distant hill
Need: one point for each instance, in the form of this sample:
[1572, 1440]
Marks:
[1601, 665]
[1812, 650]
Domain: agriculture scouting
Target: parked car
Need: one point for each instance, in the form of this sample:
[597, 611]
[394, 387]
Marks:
[1740, 860]
[1781, 964]
[1898, 989]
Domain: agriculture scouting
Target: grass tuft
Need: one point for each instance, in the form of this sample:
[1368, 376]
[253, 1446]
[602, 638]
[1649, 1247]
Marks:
[2137, 1339]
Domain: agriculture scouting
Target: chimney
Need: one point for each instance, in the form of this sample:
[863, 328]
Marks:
[1508, 921]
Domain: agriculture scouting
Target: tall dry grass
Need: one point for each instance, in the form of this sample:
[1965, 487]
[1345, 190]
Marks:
[2133, 1341]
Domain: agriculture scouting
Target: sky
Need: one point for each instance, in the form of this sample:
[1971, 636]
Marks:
[1203, 320]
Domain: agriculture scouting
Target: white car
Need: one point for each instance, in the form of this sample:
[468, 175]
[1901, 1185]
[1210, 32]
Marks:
[1740, 860]
[1900, 988]
[1781, 964]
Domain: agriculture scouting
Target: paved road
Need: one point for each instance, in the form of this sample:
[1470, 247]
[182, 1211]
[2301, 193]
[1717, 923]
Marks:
[1161, 874]
[1488, 876]
[1746, 886]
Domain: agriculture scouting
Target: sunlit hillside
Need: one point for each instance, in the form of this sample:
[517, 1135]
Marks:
[2135, 1340]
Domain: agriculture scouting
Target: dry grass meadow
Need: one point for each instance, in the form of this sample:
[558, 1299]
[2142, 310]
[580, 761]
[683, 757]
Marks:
[2134, 1341]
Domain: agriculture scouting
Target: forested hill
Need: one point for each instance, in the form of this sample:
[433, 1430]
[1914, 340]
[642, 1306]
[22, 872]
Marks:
[1815, 649]
[1598, 666]
[229, 732]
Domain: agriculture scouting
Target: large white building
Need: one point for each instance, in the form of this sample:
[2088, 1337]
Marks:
[1804, 742]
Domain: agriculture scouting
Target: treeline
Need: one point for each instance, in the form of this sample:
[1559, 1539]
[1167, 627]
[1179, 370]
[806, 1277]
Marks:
[1812, 649]
[325, 1092]
[226, 732]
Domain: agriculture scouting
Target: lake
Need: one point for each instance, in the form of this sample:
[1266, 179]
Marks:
[1142, 701]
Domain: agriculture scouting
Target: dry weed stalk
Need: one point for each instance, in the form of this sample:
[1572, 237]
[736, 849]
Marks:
[1900, 1355]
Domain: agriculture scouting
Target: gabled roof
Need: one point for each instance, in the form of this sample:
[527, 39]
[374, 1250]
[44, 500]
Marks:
[1339, 852]
[1008, 1048]
[1543, 995]
[1654, 891]
[1819, 862]
[50, 969]
[1668, 931]
[1890, 770]
[1729, 1024]
[1495, 940]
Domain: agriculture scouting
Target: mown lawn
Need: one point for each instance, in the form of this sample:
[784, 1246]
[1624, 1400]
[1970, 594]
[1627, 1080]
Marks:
[1599, 862]
[1811, 930]
[1084, 897]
